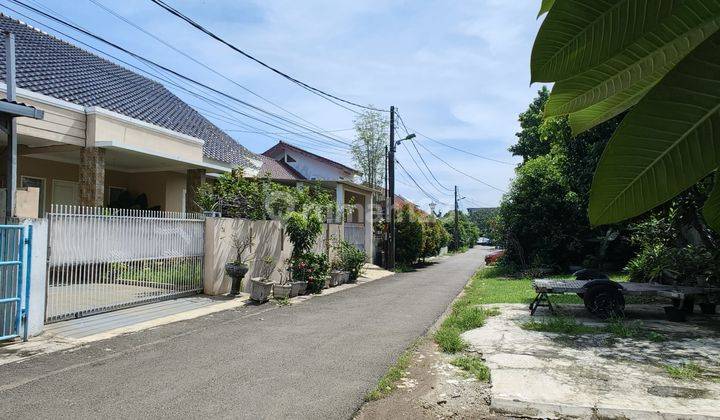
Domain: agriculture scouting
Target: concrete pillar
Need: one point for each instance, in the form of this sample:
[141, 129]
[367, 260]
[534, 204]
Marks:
[38, 265]
[340, 202]
[195, 177]
[368, 219]
[92, 176]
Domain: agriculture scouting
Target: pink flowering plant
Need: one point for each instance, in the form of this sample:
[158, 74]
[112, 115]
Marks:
[312, 268]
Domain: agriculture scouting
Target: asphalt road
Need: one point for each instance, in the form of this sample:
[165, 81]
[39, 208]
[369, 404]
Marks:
[315, 359]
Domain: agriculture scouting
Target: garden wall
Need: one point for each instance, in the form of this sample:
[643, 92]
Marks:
[268, 240]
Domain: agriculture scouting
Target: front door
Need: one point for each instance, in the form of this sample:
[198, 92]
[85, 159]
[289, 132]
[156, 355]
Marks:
[65, 192]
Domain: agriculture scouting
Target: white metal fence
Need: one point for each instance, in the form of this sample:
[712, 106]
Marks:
[102, 259]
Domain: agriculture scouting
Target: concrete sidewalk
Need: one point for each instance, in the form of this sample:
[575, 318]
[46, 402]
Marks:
[313, 360]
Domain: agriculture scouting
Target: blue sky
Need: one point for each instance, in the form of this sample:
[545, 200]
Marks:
[458, 71]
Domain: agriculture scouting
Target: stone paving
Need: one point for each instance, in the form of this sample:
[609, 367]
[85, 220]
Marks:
[547, 375]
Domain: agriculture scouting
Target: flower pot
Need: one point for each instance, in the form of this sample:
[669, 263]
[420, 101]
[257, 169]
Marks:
[298, 288]
[335, 278]
[346, 278]
[236, 273]
[260, 288]
[281, 291]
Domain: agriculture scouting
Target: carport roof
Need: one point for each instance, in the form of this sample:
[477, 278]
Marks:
[53, 67]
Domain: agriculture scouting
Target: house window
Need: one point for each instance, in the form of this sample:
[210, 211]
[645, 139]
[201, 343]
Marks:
[65, 192]
[289, 159]
[39, 183]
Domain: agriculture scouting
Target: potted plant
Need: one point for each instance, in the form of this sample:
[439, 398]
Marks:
[261, 286]
[312, 269]
[282, 289]
[239, 267]
[350, 260]
[302, 230]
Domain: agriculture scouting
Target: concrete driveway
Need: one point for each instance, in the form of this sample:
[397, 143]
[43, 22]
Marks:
[316, 359]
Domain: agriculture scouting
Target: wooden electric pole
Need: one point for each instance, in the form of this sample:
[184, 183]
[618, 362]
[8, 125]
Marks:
[391, 192]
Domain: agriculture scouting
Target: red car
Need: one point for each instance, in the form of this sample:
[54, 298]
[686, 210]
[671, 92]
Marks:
[494, 256]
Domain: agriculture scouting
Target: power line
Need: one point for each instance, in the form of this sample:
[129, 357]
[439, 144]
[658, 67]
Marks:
[459, 171]
[422, 172]
[463, 151]
[288, 132]
[421, 157]
[168, 70]
[304, 85]
[220, 107]
[193, 59]
[428, 195]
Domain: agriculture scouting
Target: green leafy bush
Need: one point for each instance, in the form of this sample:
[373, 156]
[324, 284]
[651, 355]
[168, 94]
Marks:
[303, 230]
[349, 258]
[260, 198]
[408, 236]
[435, 237]
[312, 268]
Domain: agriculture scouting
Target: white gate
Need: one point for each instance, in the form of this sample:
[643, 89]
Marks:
[355, 234]
[102, 259]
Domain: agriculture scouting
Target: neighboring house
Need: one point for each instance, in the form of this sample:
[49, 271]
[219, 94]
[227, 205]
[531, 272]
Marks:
[109, 133]
[291, 165]
[401, 201]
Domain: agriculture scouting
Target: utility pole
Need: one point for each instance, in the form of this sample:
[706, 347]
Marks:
[457, 224]
[391, 192]
[386, 215]
[11, 158]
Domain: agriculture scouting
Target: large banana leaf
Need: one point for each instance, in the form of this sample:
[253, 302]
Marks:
[602, 111]
[545, 7]
[577, 35]
[711, 210]
[618, 83]
[668, 142]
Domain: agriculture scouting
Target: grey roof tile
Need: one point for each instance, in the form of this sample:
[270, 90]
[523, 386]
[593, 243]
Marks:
[56, 68]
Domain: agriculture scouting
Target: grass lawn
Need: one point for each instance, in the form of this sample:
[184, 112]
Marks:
[495, 287]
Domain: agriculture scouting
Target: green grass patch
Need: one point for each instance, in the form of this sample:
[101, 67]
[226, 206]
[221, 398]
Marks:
[686, 371]
[560, 325]
[474, 366]
[625, 329]
[388, 383]
[656, 337]
[281, 302]
[466, 315]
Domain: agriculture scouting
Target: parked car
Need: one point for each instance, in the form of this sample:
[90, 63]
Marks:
[484, 241]
[494, 256]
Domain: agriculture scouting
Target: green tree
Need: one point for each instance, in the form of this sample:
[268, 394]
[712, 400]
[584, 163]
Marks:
[547, 199]
[530, 143]
[663, 61]
[540, 217]
[368, 146]
[482, 217]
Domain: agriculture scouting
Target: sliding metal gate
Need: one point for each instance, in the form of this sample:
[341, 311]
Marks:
[102, 259]
[14, 279]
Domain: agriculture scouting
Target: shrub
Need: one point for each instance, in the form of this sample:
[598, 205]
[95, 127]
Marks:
[312, 268]
[303, 230]
[349, 258]
[408, 236]
[435, 237]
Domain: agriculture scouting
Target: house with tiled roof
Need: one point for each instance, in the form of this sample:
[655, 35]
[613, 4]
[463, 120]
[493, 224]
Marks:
[108, 133]
[292, 165]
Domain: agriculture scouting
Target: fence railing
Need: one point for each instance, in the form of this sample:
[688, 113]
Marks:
[102, 259]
